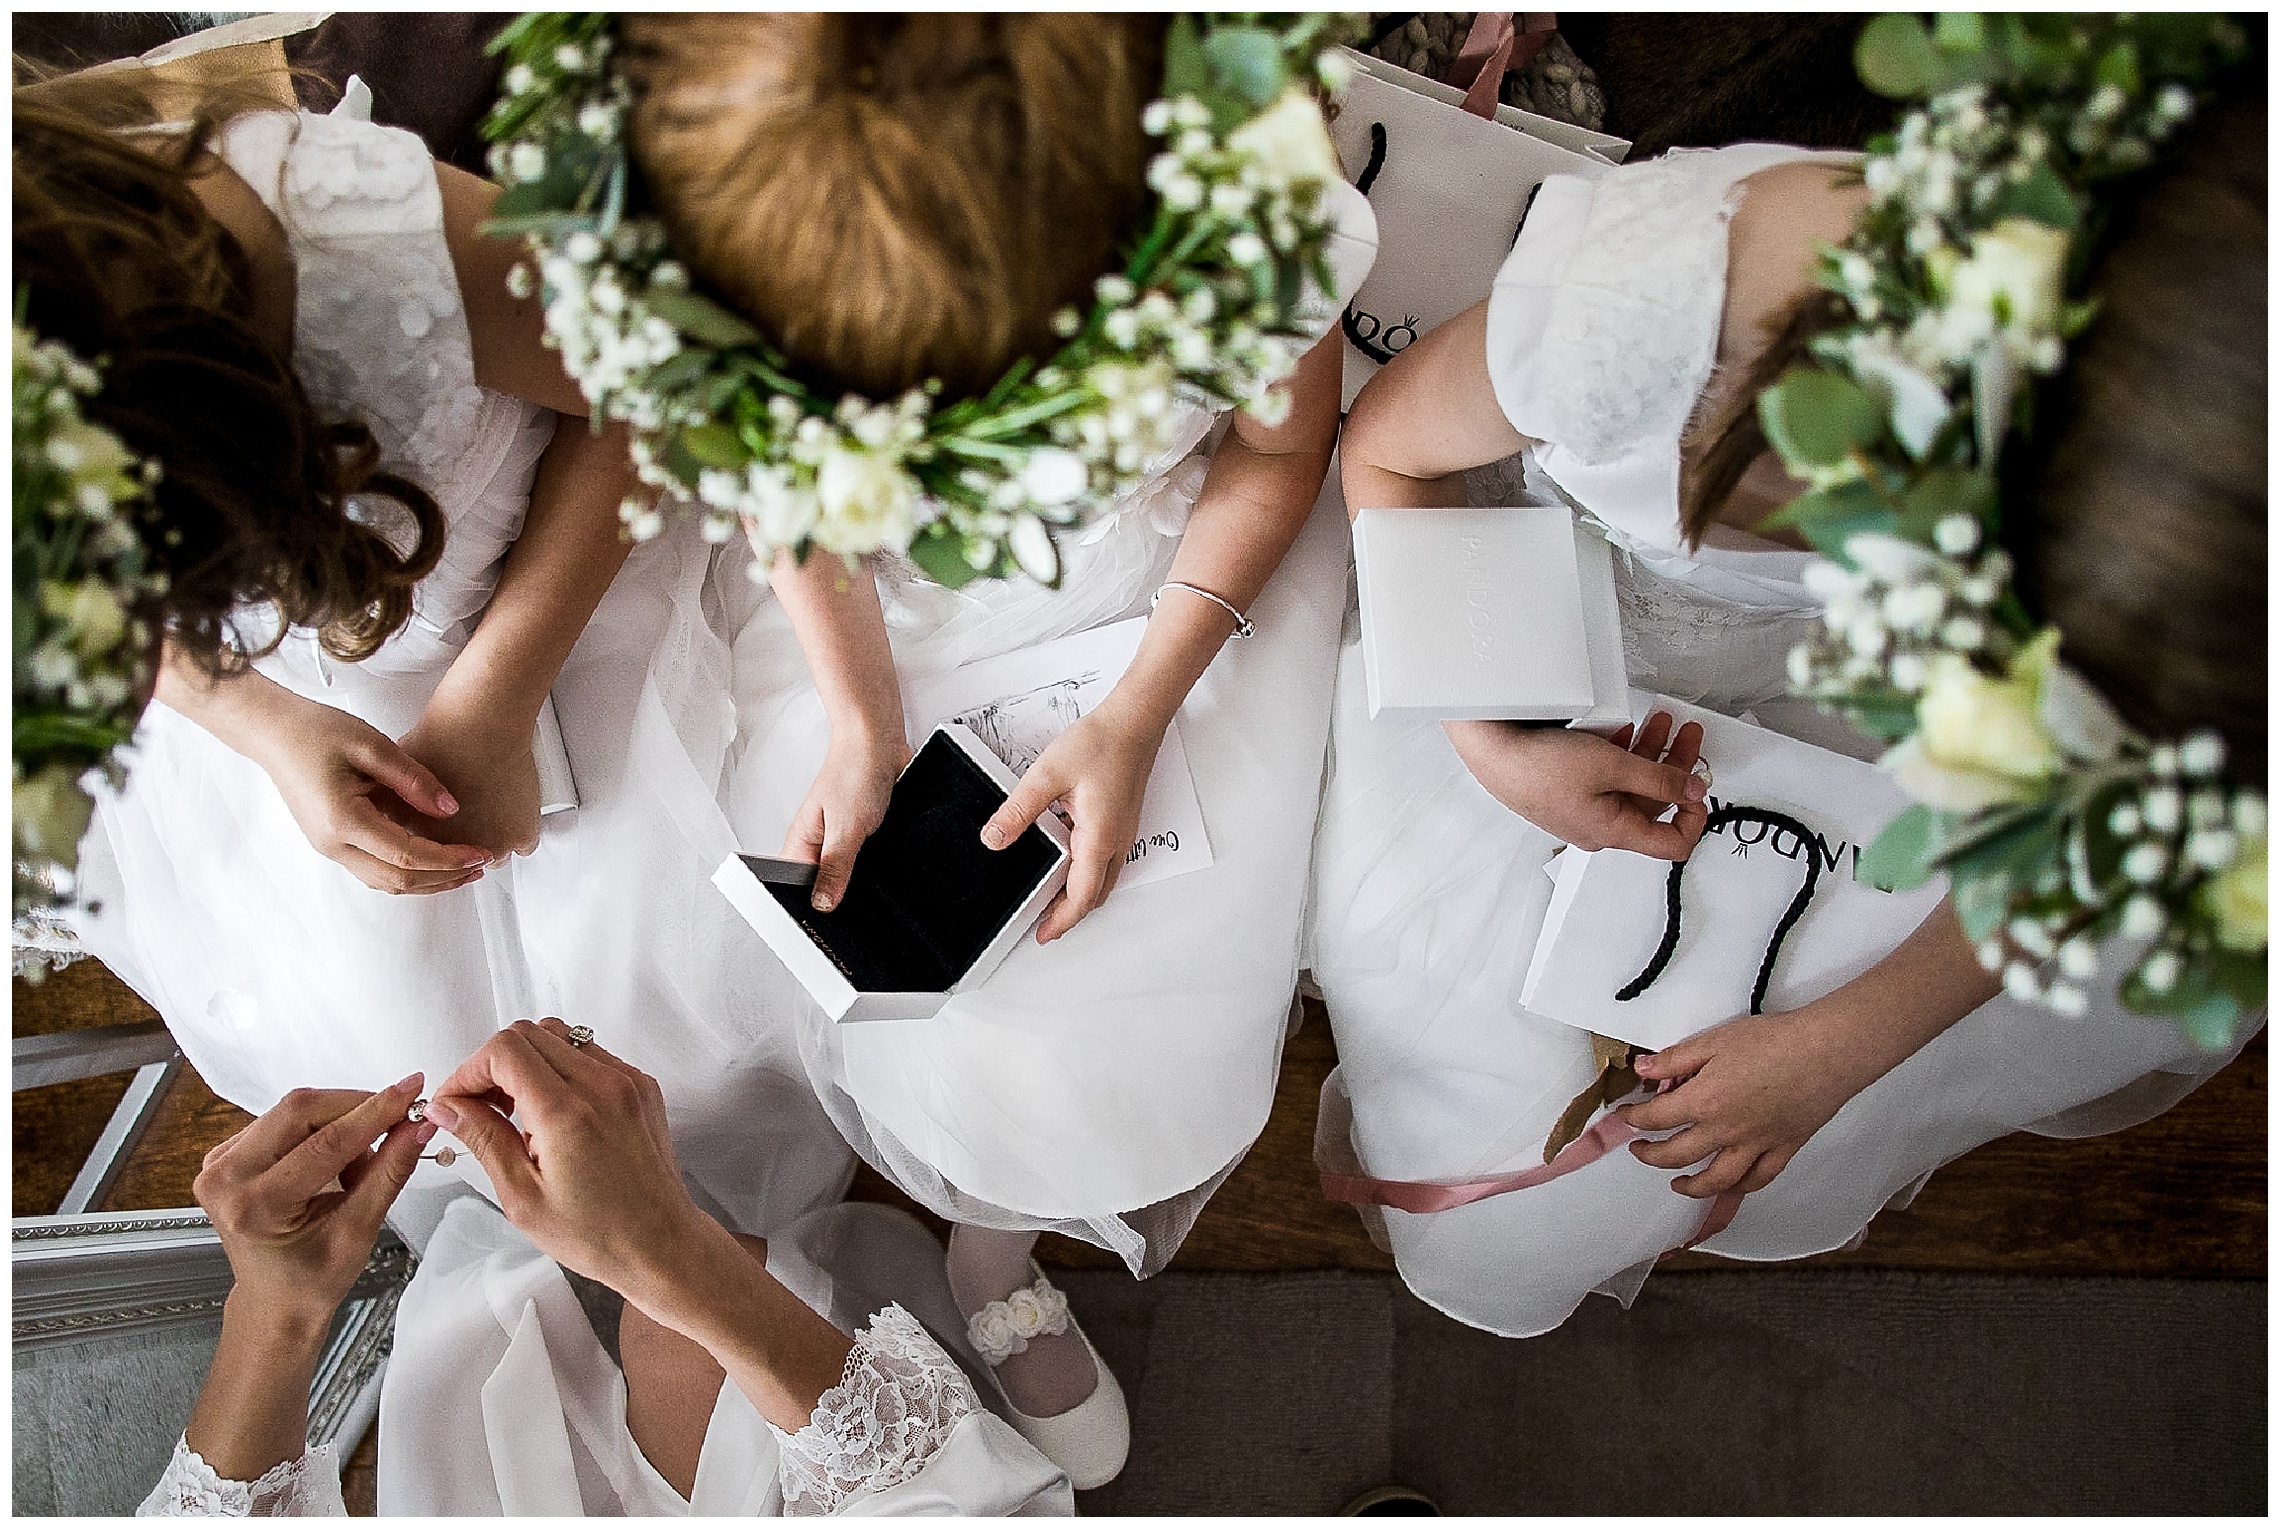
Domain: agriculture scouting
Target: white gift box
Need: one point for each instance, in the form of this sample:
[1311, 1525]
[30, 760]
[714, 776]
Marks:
[1609, 911]
[929, 911]
[1489, 613]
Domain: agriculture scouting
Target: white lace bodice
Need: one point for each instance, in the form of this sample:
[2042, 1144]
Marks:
[896, 1402]
[1603, 325]
[1602, 335]
[308, 1487]
[380, 335]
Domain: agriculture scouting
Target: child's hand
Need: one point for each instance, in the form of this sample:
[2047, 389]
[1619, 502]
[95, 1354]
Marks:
[1754, 1091]
[1099, 770]
[484, 756]
[846, 804]
[352, 788]
[1592, 792]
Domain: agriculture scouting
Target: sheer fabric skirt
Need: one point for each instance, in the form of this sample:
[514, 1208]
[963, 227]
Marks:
[1104, 1085]
[276, 969]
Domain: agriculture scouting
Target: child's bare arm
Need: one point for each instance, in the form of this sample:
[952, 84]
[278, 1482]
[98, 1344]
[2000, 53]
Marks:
[1426, 417]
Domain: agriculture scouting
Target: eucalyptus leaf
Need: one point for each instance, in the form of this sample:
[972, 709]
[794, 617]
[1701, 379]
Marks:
[1981, 902]
[1816, 418]
[1900, 859]
[1895, 56]
[1943, 492]
[1245, 62]
[715, 445]
[1185, 72]
[941, 556]
[1958, 31]
[2043, 197]
[701, 319]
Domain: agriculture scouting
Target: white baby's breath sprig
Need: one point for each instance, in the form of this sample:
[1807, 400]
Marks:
[2057, 824]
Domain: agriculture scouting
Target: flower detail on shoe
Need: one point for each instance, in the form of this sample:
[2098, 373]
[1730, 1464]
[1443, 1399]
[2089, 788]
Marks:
[1003, 1329]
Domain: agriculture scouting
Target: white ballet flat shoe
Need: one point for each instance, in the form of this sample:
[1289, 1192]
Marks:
[1088, 1442]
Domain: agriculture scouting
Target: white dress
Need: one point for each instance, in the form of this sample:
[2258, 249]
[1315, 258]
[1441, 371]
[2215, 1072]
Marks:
[1428, 893]
[500, 1400]
[1100, 1086]
[274, 967]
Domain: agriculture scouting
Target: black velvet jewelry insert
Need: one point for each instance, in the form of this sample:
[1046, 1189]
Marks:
[926, 898]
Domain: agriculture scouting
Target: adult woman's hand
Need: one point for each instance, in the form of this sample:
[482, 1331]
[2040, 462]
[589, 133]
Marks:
[585, 1169]
[590, 1178]
[297, 1198]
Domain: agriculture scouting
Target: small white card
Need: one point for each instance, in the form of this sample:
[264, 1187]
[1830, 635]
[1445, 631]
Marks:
[1019, 702]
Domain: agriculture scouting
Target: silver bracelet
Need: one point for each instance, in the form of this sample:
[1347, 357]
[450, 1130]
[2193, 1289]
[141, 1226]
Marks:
[1243, 627]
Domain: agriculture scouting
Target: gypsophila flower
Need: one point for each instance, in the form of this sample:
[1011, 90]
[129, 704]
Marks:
[2057, 824]
[83, 582]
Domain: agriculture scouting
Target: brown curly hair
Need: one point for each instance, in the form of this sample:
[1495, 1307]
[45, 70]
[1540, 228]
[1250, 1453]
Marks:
[117, 258]
[896, 196]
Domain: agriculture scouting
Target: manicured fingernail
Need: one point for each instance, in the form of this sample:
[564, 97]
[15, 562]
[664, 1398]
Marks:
[442, 1114]
[993, 837]
[409, 1081]
[426, 1132]
[1698, 781]
[448, 802]
[823, 902]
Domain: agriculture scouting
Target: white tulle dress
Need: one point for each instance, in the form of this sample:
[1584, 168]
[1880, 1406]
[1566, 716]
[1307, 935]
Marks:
[501, 1400]
[274, 967]
[1103, 1085]
[1428, 894]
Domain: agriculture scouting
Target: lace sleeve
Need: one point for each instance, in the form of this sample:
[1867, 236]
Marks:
[894, 1406]
[305, 1488]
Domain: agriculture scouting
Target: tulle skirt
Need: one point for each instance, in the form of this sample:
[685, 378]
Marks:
[1104, 1085]
[277, 969]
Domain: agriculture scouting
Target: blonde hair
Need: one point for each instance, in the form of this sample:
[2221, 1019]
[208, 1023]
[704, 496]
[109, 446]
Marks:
[895, 197]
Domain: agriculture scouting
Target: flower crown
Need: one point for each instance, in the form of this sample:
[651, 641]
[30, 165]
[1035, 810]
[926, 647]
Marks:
[2056, 825]
[1213, 302]
[82, 654]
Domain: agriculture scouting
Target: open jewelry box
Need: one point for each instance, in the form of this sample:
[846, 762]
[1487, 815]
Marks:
[929, 911]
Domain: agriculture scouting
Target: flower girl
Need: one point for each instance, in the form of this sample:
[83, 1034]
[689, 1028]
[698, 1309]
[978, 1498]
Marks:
[1622, 350]
[928, 215]
[294, 314]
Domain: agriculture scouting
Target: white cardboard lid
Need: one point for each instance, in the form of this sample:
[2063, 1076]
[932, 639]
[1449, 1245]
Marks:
[821, 976]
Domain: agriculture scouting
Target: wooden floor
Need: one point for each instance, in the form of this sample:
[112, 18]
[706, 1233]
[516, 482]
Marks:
[2183, 1195]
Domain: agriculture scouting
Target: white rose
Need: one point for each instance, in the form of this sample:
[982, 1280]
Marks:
[1027, 1314]
[867, 500]
[92, 613]
[1289, 141]
[51, 814]
[778, 512]
[2016, 271]
[1053, 476]
[1980, 741]
[2238, 900]
[992, 1332]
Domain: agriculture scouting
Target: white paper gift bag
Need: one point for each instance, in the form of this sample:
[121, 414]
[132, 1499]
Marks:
[1769, 912]
[1449, 189]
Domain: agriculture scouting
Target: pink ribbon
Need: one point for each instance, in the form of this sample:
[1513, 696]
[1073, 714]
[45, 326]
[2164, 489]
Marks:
[1492, 50]
[1424, 1197]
